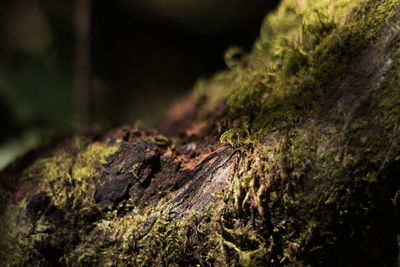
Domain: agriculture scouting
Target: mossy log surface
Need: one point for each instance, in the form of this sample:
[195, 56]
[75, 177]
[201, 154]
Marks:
[291, 157]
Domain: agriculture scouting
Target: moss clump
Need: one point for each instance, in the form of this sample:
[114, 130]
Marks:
[305, 50]
[54, 219]
[319, 187]
[387, 101]
[62, 223]
[69, 180]
[314, 199]
[13, 244]
[148, 237]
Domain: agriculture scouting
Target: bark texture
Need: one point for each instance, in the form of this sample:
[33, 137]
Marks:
[289, 158]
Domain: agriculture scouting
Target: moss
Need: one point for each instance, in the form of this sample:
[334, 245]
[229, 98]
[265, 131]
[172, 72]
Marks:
[64, 202]
[10, 253]
[68, 178]
[291, 204]
[153, 236]
[164, 142]
[388, 103]
[305, 49]
[316, 196]
[129, 234]
[314, 187]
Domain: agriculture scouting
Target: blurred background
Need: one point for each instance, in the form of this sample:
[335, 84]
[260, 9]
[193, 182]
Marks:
[66, 65]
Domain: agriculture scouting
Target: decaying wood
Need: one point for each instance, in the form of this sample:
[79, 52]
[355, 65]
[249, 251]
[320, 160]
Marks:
[322, 192]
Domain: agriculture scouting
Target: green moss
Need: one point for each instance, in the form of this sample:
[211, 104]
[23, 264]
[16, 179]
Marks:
[293, 203]
[304, 51]
[149, 237]
[311, 186]
[164, 142]
[10, 252]
[69, 178]
[388, 103]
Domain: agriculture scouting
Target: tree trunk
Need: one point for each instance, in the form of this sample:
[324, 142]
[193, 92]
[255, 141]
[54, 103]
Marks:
[289, 158]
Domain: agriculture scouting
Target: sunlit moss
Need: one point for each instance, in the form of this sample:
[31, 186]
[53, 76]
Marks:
[67, 180]
[304, 51]
[303, 54]
[70, 177]
[148, 237]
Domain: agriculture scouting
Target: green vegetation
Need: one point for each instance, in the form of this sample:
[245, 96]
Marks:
[306, 190]
[67, 181]
[304, 51]
[316, 177]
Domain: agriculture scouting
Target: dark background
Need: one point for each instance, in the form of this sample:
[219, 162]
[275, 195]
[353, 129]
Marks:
[145, 55]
